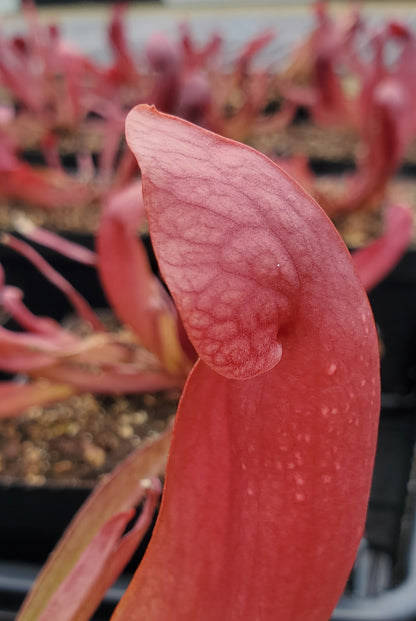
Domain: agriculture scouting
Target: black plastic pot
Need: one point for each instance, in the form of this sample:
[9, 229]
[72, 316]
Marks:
[33, 519]
[394, 306]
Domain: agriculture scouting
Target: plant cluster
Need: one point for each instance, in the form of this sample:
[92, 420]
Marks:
[237, 241]
[66, 107]
[278, 418]
[71, 109]
[348, 74]
[53, 93]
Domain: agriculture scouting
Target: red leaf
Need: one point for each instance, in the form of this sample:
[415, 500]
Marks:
[115, 380]
[124, 67]
[134, 292]
[118, 492]
[56, 242]
[25, 352]
[16, 397]
[100, 564]
[387, 132]
[268, 477]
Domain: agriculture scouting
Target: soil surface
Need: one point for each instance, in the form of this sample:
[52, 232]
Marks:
[81, 439]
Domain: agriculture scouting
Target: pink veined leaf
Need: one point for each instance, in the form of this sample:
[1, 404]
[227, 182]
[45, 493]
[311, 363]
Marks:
[79, 303]
[16, 397]
[101, 563]
[117, 493]
[272, 455]
[134, 292]
[375, 261]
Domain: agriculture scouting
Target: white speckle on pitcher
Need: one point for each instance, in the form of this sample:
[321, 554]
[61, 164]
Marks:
[299, 479]
[332, 368]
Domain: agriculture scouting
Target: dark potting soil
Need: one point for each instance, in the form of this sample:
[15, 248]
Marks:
[78, 441]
